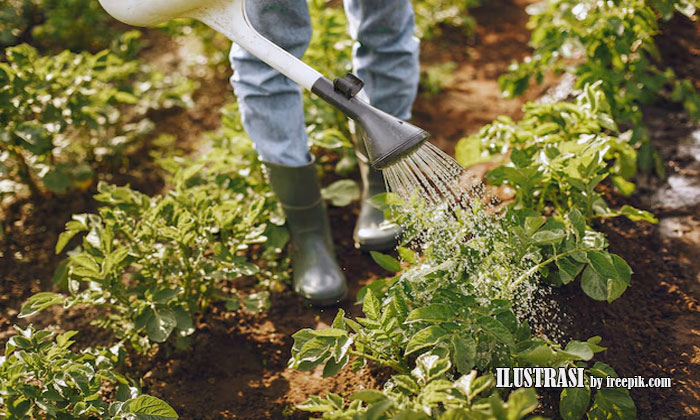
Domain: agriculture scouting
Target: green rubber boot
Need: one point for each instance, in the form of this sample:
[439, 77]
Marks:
[316, 275]
[371, 233]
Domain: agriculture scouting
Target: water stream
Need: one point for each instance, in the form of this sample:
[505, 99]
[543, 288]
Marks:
[459, 232]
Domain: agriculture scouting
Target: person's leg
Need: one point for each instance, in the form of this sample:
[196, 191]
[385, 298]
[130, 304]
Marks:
[271, 105]
[385, 57]
[386, 53]
[273, 116]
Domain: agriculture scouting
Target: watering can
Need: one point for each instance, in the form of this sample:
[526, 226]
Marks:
[387, 138]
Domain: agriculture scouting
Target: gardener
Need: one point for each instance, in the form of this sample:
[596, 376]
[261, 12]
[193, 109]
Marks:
[385, 57]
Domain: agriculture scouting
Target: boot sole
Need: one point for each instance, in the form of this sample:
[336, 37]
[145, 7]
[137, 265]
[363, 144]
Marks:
[327, 302]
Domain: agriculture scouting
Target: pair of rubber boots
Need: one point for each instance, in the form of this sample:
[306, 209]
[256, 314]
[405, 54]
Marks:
[316, 274]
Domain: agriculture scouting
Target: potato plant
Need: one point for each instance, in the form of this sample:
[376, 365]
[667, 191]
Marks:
[64, 113]
[40, 377]
[459, 308]
[156, 263]
[611, 42]
[558, 155]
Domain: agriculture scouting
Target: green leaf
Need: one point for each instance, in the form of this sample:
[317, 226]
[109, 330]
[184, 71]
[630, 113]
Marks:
[257, 302]
[60, 276]
[57, 181]
[602, 370]
[602, 263]
[332, 367]
[233, 304]
[613, 276]
[163, 296]
[387, 262]
[569, 269]
[593, 284]
[34, 137]
[160, 324]
[84, 265]
[433, 364]
[613, 404]
[582, 350]
[577, 221]
[615, 289]
[496, 329]
[368, 395]
[521, 402]
[184, 323]
[624, 272]
[636, 214]
[436, 312]
[468, 151]
[407, 255]
[313, 352]
[146, 407]
[548, 237]
[331, 332]
[625, 187]
[427, 337]
[339, 320]
[534, 223]
[39, 302]
[342, 193]
[573, 403]
[464, 348]
[371, 306]
[541, 355]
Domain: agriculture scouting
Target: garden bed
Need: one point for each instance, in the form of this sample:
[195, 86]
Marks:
[237, 366]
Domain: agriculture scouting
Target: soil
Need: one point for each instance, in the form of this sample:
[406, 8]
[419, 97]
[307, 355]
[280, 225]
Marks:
[236, 368]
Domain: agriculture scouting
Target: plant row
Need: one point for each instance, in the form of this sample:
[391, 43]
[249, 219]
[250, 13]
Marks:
[613, 44]
[457, 308]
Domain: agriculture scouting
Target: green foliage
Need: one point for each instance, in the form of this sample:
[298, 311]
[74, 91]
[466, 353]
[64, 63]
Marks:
[559, 155]
[411, 397]
[77, 25]
[40, 377]
[612, 42]
[155, 264]
[432, 15]
[427, 342]
[68, 111]
[458, 309]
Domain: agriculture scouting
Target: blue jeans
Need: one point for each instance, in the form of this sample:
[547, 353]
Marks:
[385, 57]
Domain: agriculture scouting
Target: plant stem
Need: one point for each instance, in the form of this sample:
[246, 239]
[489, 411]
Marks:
[390, 363]
[548, 261]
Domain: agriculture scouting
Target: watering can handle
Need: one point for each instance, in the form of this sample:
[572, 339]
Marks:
[225, 16]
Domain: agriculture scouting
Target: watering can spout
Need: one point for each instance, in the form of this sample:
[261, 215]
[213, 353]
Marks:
[386, 138]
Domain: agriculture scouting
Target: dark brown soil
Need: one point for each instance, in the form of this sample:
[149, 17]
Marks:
[237, 366]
